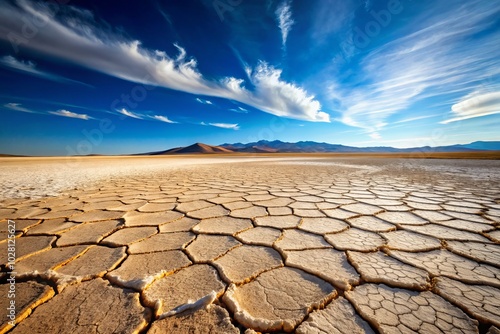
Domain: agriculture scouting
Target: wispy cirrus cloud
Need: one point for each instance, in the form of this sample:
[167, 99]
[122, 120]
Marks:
[416, 118]
[285, 21]
[164, 119]
[29, 67]
[452, 51]
[25, 66]
[70, 114]
[60, 112]
[127, 113]
[240, 110]
[17, 107]
[202, 101]
[78, 39]
[332, 19]
[143, 116]
[223, 125]
[475, 106]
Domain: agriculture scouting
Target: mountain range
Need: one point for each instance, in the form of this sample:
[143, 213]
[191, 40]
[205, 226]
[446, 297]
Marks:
[195, 148]
[277, 146]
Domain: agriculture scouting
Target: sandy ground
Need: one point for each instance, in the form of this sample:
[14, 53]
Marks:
[243, 244]
[38, 177]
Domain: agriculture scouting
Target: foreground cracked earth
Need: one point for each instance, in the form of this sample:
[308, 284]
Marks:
[258, 247]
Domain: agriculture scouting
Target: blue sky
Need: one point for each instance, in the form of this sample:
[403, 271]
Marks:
[105, 77]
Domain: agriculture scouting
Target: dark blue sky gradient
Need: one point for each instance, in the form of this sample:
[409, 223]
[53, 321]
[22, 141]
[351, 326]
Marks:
[349, 72]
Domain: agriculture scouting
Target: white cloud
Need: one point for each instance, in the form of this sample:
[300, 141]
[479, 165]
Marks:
[141, 116]
[60, 112]
[332, 21]
[475, 106]
[203, 101]
[76, 38]
[281, 98]
[17, 107]
[225, 126]
[29, 67]
[375, 135]
[416, 118]
[285, 21]
[240, 110]
[163, 119]
[448, 52]
[66, 113]
[125, 112]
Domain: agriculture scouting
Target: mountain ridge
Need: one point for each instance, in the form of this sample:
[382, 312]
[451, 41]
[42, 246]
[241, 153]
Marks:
[322, 147]
[277, 146]
[195, 148]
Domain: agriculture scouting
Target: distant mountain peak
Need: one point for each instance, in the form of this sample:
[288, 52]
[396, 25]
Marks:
[196, 148]
[278, 146]
[316, 147]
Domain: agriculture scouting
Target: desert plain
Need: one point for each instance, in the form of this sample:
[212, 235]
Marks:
[245, 244]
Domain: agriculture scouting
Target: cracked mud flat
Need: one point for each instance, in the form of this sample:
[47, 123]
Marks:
[249, 245]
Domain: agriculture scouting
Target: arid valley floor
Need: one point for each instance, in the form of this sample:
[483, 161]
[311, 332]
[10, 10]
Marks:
[228, 244]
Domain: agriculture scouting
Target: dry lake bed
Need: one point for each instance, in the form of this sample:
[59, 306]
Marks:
[245, 244]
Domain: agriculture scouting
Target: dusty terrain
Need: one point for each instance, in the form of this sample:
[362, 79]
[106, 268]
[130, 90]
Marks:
[241, 244]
